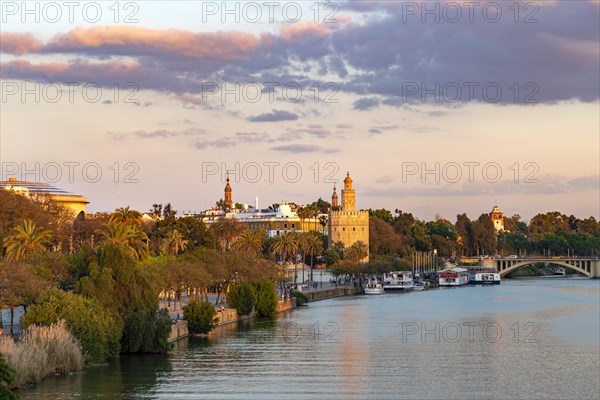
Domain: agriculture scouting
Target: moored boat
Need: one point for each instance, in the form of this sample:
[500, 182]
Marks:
[374, 287]
[484, 276]
[456, 276]
[398, 281]
[559, 271]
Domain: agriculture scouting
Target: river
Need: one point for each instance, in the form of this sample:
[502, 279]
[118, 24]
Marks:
[523, 339]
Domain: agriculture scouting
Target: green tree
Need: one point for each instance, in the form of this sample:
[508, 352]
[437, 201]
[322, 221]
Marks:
[200, 316]
[285, 245]
[7, 377]
[242, 297]
[26, 240]
[173, 243]
[357, 251]
[266, 299]
[250, 241]
[90, 323]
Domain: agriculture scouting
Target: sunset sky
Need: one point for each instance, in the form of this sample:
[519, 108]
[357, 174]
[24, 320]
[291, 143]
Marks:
[506, 93]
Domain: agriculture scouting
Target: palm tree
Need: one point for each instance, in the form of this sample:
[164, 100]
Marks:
[357, 251]
[126, 216]
[26, 240]
[303, 213]
[323, 221]
[286, 244]
[250, 241]
[302, 239]
[314, 246]
[173, 243]
[132, 239]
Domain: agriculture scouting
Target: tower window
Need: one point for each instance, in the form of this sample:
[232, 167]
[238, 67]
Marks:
[284, 226]
[293, 226]
[344, 229]
[353, 229]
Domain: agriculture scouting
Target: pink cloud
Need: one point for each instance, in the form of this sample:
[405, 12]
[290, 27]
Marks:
[299, 31]
[19, 43]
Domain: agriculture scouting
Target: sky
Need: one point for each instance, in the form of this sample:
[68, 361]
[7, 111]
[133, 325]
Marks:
[435, 108]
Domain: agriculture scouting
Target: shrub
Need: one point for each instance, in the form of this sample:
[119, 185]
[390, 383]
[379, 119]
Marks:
[266, 298]
[90, 323]
[42, 351]
[7, 377]
[242, 297]
[200, 316]
[301, 298]
[147, 331]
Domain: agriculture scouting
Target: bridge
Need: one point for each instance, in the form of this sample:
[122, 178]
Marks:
[586, 266]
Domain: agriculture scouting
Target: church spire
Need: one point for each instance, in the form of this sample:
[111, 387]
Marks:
[227, 203]
[334, 198]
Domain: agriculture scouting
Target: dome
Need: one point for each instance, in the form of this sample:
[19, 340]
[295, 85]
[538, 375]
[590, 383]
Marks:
[348, 180]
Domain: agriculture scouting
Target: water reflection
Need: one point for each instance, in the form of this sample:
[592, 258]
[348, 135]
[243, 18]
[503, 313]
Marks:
[522, 339]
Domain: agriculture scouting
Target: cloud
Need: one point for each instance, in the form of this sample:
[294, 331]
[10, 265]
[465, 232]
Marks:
[274, 116]
[303, 148]
[366, 103]
[159, 133]
[372, 56]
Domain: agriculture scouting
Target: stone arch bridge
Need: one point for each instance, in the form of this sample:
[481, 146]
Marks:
[586, 266]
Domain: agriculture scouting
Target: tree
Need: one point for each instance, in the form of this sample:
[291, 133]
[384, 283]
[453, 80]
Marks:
[382, 237]
[126, 216]
[266, 299]
[7, 377]
[242, 297]
[90, 323]
[129, 237]
[313, 246]
[285, 245]
[173, 243]
[226, 230]
[357, 251]
[201, 317]
[382, 214]
[250, 241]
[26, 240]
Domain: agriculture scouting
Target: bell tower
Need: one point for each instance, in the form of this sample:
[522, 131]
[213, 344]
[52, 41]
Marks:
[348, 194]
[334, 199]
[227, 203]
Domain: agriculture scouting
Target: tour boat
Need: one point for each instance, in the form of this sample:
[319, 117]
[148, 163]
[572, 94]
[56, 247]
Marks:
[374, 287]
[559, 271]
[453, 277]
[484, 276]
[419, 285]
[398, 281]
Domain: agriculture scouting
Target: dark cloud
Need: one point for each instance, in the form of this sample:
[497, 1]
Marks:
[366, 103]
[383, 54]
[274, 116]
[159, 133]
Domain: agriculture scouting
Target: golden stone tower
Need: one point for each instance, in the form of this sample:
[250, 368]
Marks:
[348, 225]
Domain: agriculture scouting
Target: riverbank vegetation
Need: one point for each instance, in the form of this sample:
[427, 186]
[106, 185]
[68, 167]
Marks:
[105, 275]
[41, 351]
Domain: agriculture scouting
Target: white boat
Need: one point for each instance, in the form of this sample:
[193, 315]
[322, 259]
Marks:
[484, 276]
[398, 281]
[559, 271]
[374, 287]
[456, 276]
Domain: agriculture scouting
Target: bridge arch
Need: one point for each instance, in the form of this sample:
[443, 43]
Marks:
[581, 267]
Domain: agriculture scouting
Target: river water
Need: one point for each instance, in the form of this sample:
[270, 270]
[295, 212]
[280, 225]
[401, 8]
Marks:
[523, 339]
